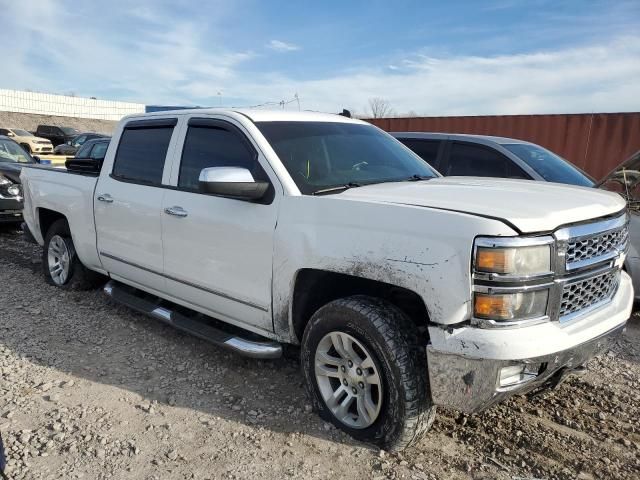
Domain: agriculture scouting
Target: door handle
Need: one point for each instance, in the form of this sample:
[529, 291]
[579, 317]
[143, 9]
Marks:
[105, 197]
[176, 211]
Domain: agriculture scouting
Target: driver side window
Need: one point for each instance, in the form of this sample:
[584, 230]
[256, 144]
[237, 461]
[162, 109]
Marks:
[214, 146]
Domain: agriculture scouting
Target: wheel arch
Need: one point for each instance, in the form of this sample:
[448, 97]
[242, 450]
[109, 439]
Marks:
[47, 217]
[314, 288]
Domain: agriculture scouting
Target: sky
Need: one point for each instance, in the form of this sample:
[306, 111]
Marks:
[422, 57]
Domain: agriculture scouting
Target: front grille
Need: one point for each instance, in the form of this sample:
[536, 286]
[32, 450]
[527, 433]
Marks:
[583, 294]
[594, 246]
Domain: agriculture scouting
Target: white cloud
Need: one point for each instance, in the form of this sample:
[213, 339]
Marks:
[181, 62]
[280, 46]
[583, 79]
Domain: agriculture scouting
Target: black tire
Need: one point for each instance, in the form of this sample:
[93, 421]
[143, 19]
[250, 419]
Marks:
[388, 334]
[27, 147]
[79, 277]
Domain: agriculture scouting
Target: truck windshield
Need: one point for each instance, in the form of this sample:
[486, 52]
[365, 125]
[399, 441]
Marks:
[322, 155]
[69, 131]
[549, 165]
[13, 153]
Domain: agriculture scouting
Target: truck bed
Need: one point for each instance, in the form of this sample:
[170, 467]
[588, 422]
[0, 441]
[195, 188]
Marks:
[68, 193]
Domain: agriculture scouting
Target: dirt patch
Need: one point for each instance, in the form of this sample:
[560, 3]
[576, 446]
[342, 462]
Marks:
[89, 389]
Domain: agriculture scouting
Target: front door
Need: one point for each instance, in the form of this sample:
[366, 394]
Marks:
[218, 251]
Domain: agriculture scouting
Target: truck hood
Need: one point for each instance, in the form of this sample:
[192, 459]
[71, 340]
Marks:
[528, 205]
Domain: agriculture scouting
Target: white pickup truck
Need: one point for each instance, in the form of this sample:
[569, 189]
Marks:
[404, 290]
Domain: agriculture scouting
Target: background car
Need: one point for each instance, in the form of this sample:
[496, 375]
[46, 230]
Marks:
[12, 158]
[57, 135]
[90, 156]
[28, 140]
[96, 148]
[71, 147]
[625, 180]
[486, 156]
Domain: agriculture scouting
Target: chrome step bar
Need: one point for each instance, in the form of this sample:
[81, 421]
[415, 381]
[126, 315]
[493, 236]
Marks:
[201, 326]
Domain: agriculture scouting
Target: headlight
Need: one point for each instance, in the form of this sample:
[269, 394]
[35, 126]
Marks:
[4, 181]
[14, 190]
[512, 279]
[513, 257]
[510, 306]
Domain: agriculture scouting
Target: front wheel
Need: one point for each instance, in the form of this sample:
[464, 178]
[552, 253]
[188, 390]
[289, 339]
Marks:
[366, 372]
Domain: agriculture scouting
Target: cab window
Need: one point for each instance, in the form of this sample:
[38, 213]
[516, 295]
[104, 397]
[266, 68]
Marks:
[142, 152]
[215, 146]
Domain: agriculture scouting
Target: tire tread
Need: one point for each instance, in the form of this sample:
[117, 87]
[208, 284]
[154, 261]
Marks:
[409, 357]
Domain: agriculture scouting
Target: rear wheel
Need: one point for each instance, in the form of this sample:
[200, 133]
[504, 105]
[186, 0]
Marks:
[60, 263]
[366, 373]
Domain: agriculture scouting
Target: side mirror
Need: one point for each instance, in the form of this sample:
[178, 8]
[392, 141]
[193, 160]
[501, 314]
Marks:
[231, 182]
[86, 165]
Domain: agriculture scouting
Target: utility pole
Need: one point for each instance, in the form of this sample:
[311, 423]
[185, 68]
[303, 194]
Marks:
[297, 99]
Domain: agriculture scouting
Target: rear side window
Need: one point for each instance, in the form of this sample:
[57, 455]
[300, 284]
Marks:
[99, 150]
[141, 154]
[478, 161]
[427, 149]
[207, 146]
[84, 151]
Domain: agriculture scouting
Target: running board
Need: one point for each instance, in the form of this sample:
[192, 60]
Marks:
[200, 326]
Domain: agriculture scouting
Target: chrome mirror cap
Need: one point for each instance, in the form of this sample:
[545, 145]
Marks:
[232, 182]
[226, 174]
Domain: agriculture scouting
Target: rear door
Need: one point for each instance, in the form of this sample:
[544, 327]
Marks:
[218, 253]
[128, 202]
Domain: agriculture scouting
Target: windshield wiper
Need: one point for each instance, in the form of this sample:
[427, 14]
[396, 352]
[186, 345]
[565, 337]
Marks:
[339, 188]
[417, 178]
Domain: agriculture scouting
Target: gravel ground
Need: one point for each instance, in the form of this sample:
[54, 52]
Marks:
[90, 389]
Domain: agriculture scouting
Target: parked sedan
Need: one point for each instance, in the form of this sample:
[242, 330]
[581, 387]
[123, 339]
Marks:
[12, 158]
[486, 156]
[72, 146]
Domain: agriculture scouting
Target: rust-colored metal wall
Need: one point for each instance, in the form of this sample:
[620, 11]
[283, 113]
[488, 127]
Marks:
[596, 142]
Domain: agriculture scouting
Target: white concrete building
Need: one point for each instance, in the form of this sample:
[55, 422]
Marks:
[65, 105]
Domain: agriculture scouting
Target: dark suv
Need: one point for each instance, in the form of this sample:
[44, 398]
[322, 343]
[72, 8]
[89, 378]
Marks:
[57, 135]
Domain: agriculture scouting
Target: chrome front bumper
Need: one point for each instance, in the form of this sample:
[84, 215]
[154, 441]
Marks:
[471, 384]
